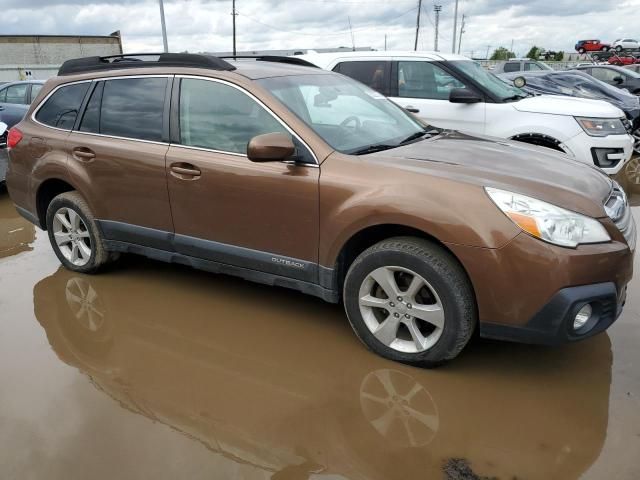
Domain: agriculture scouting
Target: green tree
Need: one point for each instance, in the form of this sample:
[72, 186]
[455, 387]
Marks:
[559, 56]
[534, 53]
[502, 53]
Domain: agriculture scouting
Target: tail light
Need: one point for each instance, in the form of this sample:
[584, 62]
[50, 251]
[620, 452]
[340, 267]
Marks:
[13, 137]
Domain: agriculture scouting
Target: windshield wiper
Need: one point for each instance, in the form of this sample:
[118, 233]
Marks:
[373, 148]
[414, 136]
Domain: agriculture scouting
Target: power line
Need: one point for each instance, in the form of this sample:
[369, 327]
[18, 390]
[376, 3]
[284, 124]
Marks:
[340, 32]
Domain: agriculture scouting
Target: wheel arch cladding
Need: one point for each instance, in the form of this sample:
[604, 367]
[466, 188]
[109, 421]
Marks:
[47, 191]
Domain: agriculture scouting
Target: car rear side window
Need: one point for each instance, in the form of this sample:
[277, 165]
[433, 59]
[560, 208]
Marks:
[91, 118]
[512, 67]
[133, 108]
[17, 94]
[61, 109]
[220, 117]
[374, 74]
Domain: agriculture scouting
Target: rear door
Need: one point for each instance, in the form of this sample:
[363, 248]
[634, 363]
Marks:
[226, 208]
[117, 155]
[423, 87]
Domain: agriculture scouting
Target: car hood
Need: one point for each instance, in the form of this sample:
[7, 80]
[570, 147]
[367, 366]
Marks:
[561, 105]
[517, 167]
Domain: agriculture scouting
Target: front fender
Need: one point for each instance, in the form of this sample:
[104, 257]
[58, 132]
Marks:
[451, 212]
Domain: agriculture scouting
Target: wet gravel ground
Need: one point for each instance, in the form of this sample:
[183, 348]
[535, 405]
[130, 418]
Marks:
[159, 371]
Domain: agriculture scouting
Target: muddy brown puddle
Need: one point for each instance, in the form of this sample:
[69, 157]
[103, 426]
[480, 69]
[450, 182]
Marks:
[159, 371]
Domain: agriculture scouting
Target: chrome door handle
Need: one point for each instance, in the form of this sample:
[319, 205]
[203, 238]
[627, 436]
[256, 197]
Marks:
[185, 171]
[412, 109]
[83, 154]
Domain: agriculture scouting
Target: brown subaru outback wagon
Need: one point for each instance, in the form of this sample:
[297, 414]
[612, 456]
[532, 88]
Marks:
[301, 178]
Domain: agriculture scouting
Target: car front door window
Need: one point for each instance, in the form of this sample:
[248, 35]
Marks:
[425, 80]
[220, 117]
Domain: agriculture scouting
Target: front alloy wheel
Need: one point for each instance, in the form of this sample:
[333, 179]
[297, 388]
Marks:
[401, 309]
[408, 299]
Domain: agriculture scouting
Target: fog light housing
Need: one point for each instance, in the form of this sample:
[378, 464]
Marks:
[582, 317]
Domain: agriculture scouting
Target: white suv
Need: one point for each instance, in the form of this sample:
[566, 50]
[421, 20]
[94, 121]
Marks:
[453, 92]
[625, 44]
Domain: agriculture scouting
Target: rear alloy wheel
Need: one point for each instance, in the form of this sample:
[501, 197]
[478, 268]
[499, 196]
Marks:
[409, 300]
[73, 234]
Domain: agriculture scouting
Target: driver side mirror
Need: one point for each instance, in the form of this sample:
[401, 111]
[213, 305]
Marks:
[463, 95]
[618, 80]
[271, 147]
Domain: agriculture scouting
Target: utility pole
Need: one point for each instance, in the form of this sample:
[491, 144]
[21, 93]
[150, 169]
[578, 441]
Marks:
[385, 42]
[353, 41]
[437, 9]
[455, 26]
[415, 45]
[164, 28]
[234, 14]
[487, 55]
[511, 49]
[461, 32]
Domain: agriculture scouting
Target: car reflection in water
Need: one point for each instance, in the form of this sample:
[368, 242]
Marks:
[276, 383]
[16, 233]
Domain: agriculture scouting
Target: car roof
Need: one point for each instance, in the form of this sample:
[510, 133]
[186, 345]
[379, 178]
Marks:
[256, 69]
[18, 82]
[323, 59]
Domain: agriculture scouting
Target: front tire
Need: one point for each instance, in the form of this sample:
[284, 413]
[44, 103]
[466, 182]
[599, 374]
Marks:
[409, 300]
[619, 48]
[74, 236]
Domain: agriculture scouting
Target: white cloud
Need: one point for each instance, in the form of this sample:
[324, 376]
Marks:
[205, 25]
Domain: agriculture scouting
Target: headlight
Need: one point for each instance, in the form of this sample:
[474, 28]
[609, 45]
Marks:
[601, 127]
[548, 222]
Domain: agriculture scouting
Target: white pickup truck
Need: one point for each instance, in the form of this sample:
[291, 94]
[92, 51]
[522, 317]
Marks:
[453, 92]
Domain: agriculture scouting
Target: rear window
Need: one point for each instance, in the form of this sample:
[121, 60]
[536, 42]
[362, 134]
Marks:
[61, 109]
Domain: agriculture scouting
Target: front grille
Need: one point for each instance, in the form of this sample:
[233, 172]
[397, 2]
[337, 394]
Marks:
[617, 208]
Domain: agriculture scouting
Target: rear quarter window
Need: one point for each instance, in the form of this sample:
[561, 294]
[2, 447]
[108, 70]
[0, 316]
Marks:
[61, 109]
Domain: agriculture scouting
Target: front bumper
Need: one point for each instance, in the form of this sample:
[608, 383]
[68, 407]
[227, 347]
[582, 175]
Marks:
[553, 324]
[613, 151]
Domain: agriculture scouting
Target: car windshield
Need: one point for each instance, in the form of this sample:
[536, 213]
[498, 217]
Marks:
[348, 115]
[488, 80]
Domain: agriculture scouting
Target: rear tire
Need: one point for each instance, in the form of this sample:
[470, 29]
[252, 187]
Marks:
[429, 313]
[74, 235]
